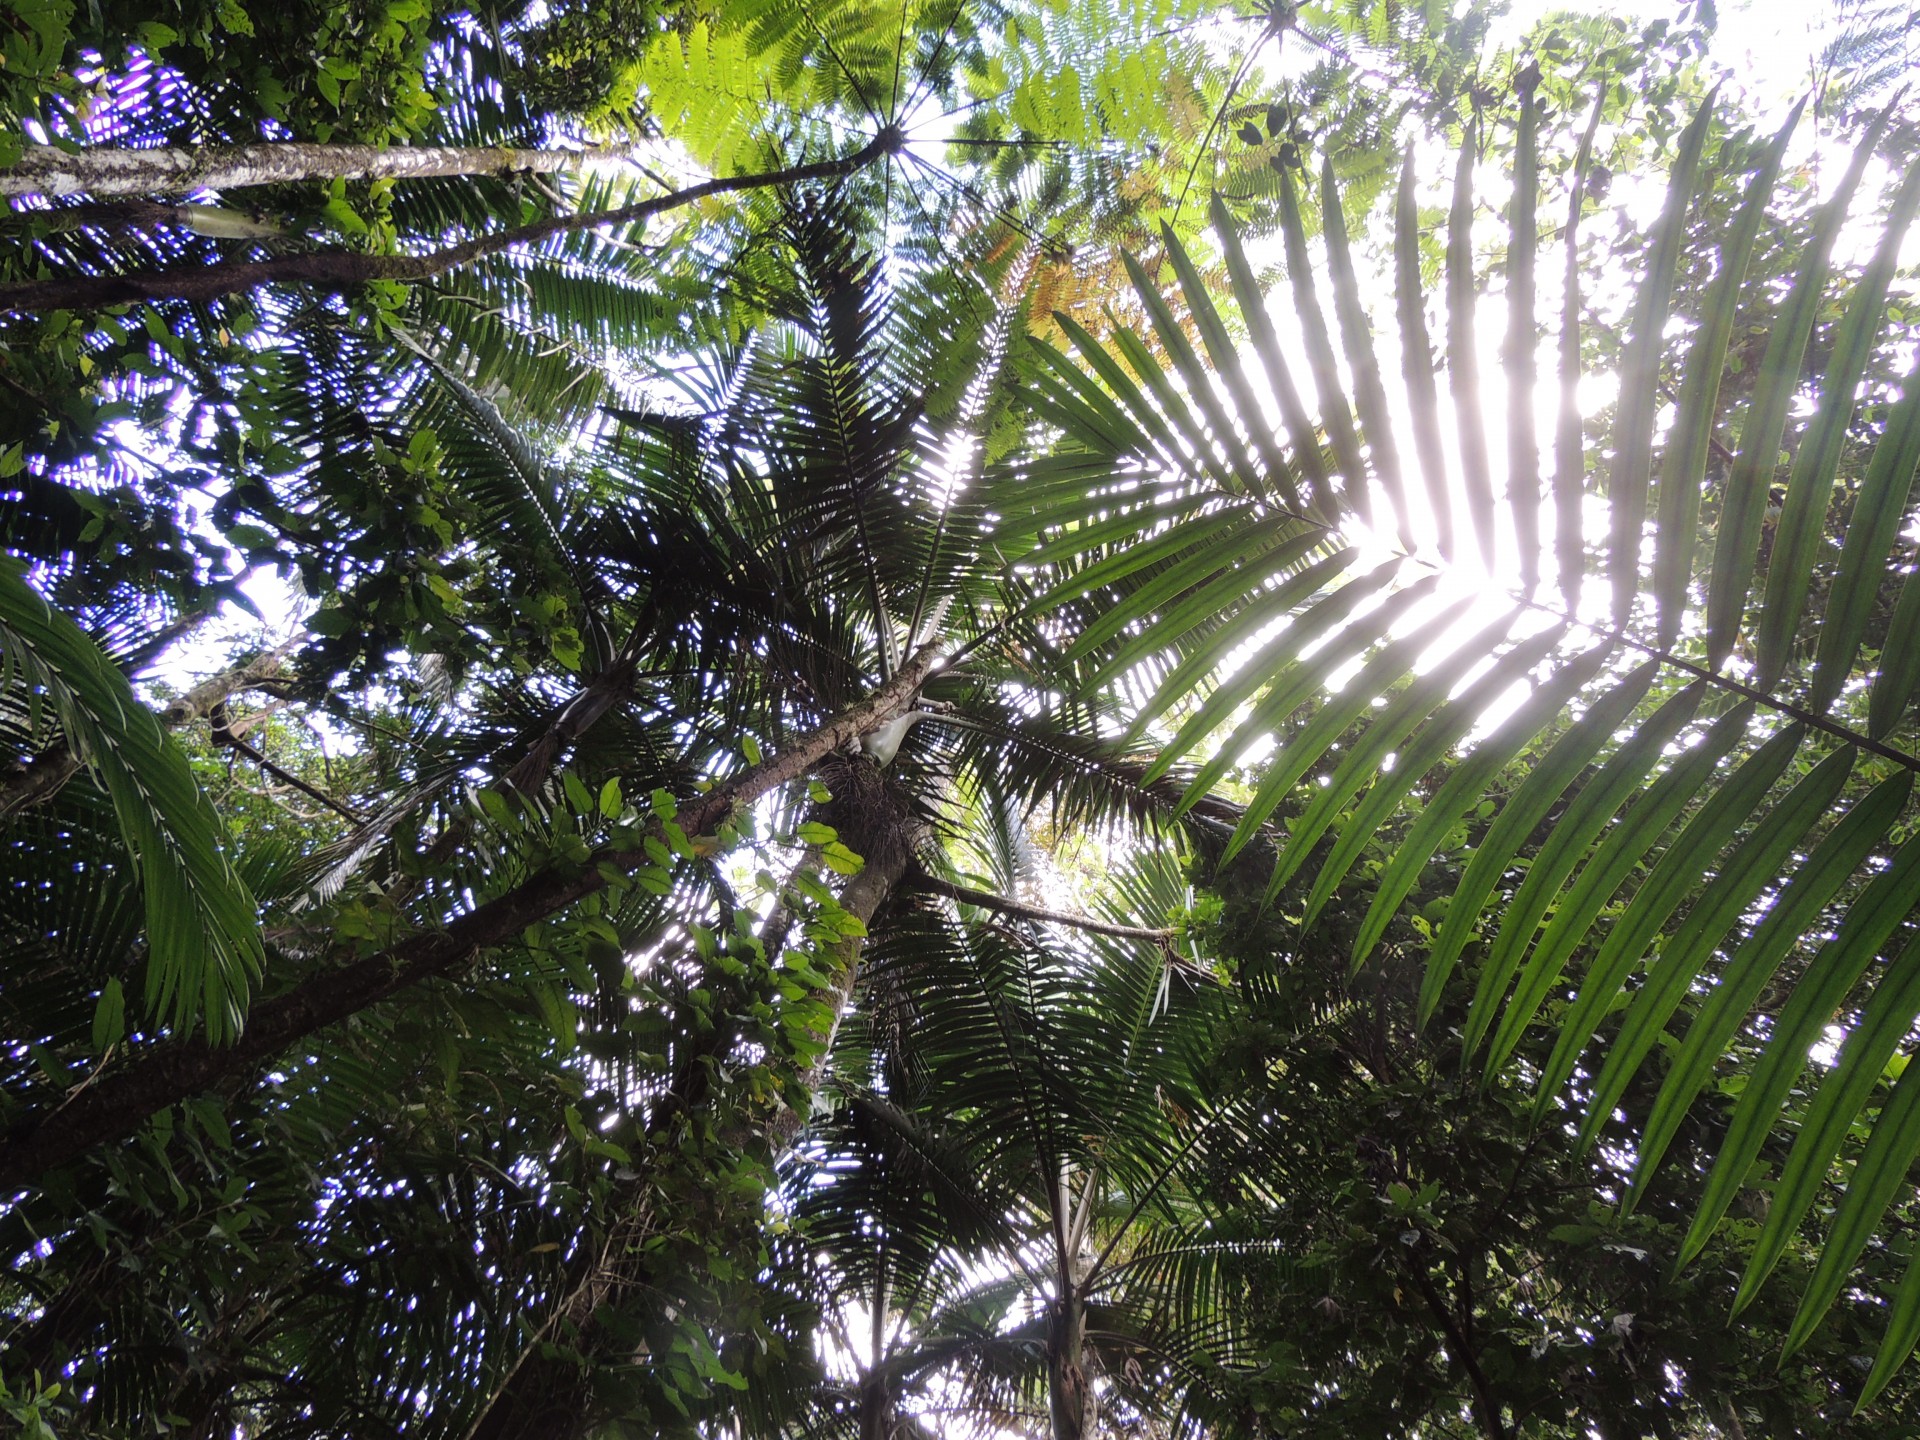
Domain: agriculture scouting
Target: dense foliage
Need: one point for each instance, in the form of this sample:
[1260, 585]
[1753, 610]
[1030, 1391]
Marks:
[930, 739]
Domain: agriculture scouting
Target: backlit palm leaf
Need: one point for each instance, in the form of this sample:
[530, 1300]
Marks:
[1716, 756]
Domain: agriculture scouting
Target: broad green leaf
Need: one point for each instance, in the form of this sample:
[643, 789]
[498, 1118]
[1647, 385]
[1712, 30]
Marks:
[1212, 601]
[1225, 355]
[1331, 392]
[1193, 439]
[1386, 731]
[1463, 788]
[1427, 749]
[1235, 463]
[1683, 466]
[1306, 749]
[1237, 689]
[1633, 427]
[1271, 538]
[1569, 442]
[1266, 344]
[1737, 537]
[1802, 525]
[1523, 443]
[1672, 879]
[1144, 553]
[1872, 529]
[1879, 1176]
[1463, 356]
[1416, 358]
[1147, 416]
[1292, 686]
[1369, 393]
[1625, 847]
[1903, 1333]
[1899, 677]
[1592, 808]
[1884, 1022]
[1249, 621]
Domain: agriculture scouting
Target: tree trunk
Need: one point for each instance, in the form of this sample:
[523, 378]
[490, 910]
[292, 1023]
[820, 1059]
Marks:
[53, 172]
[876, 1407]
[1072, 1406]
[338, 270]
[116, 1105]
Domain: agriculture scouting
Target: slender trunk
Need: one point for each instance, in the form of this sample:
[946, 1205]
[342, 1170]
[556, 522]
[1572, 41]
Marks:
[115, 1106]
[876, 1407]
[50, 171]
[1071, 1403]
[883, 831]
[336, 270]
[1486, 1405]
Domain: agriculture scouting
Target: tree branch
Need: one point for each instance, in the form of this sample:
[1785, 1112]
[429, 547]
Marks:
[1456, 1343]
[176, 1069]
[336, 270]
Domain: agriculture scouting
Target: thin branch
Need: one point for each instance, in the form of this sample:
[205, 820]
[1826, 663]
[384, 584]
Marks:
[224, 735]
[987, 901]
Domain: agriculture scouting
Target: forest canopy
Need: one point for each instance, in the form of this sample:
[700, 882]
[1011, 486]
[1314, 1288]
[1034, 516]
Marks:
[958, 718]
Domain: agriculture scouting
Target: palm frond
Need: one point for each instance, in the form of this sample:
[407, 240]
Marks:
[1693, 747]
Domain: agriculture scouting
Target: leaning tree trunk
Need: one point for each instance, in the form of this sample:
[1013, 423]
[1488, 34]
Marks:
[339, 270]
[551, 1398]
[53, 172]
[115, 1106]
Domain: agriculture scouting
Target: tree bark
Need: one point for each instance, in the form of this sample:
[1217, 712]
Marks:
[53, 172]
[1486, 1405]
[337, 270]
[210, 694]
[120, 1102]
[1072, 1405]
